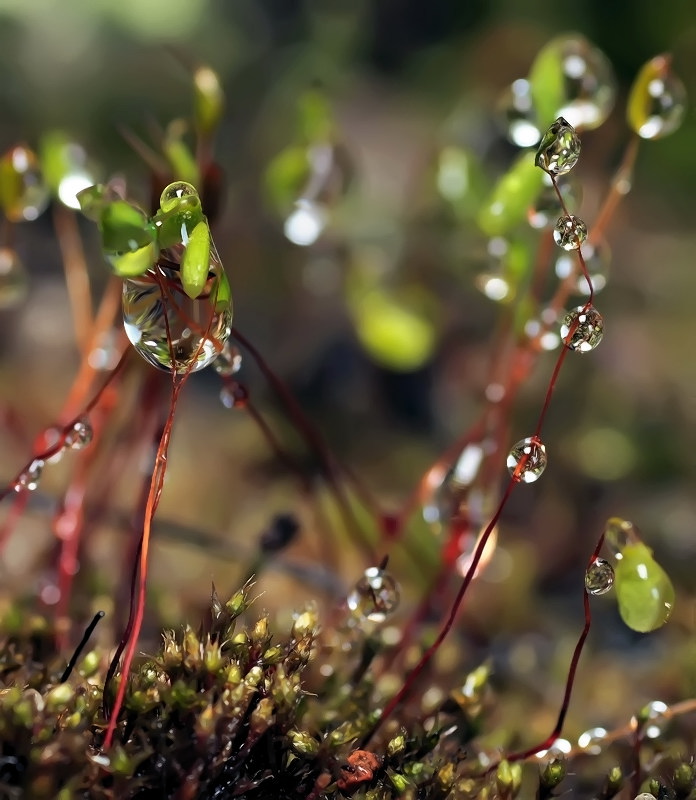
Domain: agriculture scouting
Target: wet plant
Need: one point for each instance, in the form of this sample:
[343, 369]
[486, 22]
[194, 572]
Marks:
[351, 702]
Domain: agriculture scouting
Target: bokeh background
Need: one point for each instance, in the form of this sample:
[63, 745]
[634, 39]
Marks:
[405, 79]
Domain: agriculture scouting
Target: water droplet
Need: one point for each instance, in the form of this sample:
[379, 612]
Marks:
[23, 192]
[643, 589]
[444, 500]
[559, 148]
[170, 334]
[547, 207]
[306, 223]
[618, 534]
[591, 740]
[172, 196]
[599, 577]
[652, 718]
[559, 748]
[80, 435]
[13, 279]
[527, 460]
[596, 257]
[589, 84]
[582, 329]
[229, 361]
[570, 232]
[234, 395]
[104, 356]
[657, 100]
[29, 479]
[375, 596]
[645, 796]
[518, 115]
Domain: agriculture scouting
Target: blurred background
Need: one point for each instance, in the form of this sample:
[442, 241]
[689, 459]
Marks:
[407, 81]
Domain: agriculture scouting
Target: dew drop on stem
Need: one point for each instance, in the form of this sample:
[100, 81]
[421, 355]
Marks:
[582, 329]
[29, 479]
[234, 395]
[80, 435]
[591, 740]
[374, 597]
[527, 460]
[229, 361]
[569, 232]
[599, 577]
[559, 149]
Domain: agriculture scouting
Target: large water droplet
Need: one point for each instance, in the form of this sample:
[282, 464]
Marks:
[23, 192]
[375, 596]
[618, 534]
[518, 114]
[443, 502]
[176, 194]
[570, 232]
[169, 332]
[643, 589]
[657, 100]
[645, 796]
[527, 460]
[596, 257]
[599, 577]
[559, 149]
[80, 435]
[582, 329]
[29, 479]
[13, 279]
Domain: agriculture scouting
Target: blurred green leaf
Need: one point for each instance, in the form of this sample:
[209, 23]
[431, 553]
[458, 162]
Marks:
[512, 196]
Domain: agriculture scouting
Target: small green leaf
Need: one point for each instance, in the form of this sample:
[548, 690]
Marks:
[643, 589]
[208, 100]
[222, 292]
[179, 155]
[124, 228]
[195, 262]
[512, 196]
[286, 176]
[547, 83]
[132, 264]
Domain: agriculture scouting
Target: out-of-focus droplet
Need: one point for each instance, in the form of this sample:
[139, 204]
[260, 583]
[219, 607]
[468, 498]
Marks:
[573, 79]
[65, 167]
[597, 258]
[591, 740]
[234, 395]
[657, 100]
[518, 115]
[559, 149]
[29, 479]
[104, 356]
[13, 279]
[172, 338]
[23, 192]
[569, 232]
[443, 503]
[582, 329]
[229, 361]
[374, 597]
[306, 223]
[527, 460]
[599, 577]
[80, 435]
[643, 589]
[652, 718]
[645, 796]
[618, 534]
[547, 209]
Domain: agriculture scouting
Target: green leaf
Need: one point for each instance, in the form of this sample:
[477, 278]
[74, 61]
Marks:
[316, 122]
[222, 292]
[124, 228]
[176, 226]
[137, 262]
[208, 100]
[286, 176]
[179, 155]
[643, 589]
[195, 262]
[547, 83]
[512, 196]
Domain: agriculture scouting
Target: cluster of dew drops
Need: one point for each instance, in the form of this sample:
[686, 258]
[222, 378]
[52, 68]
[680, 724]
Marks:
[582, 328]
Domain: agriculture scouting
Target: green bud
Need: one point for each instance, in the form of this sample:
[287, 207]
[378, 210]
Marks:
[398, 781]
[683, 780]
[302, 743]
[208, 100]
[90, 664]
[396, 746]
[59, 697]
[552, 773]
